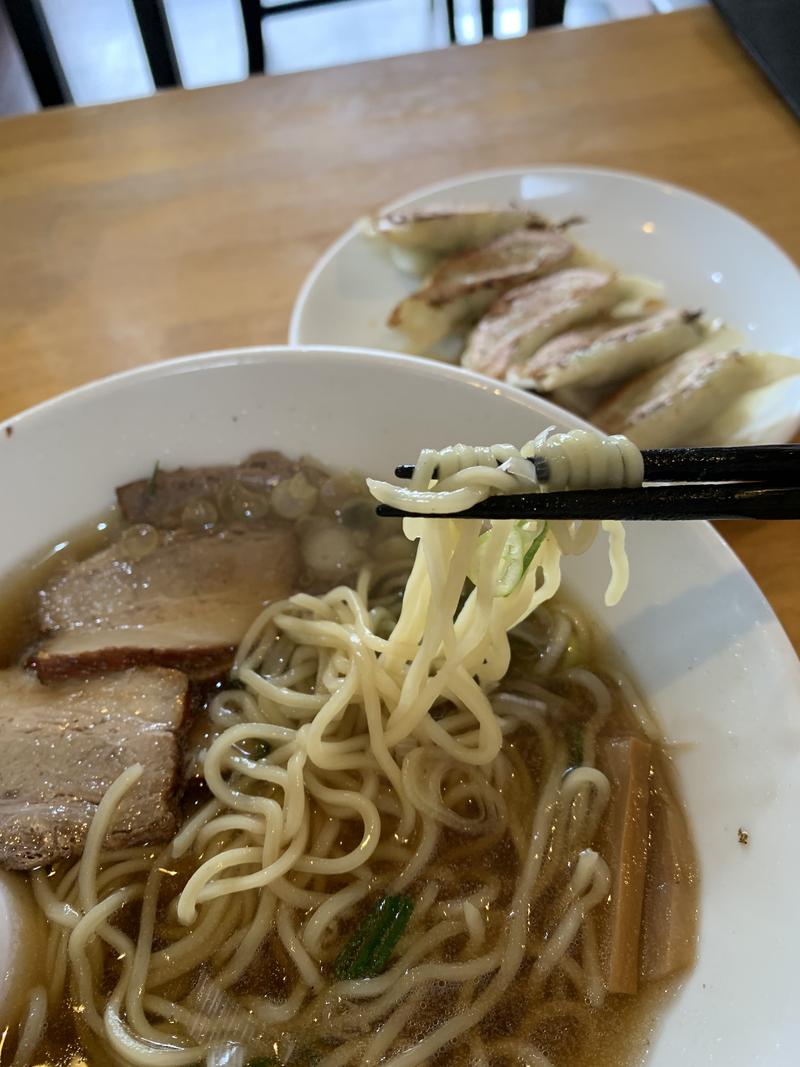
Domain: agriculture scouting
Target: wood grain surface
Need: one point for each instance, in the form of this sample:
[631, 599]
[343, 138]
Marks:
[187, 221]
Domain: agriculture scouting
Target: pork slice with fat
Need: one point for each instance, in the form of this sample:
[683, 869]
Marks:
[161, 499]
[187, 603]
[63, 746]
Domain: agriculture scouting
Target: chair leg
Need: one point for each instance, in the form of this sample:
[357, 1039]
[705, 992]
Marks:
[252, 17]
[487, 18]
[39, 52]
[451, 20]
[545, 13]
[157, 40]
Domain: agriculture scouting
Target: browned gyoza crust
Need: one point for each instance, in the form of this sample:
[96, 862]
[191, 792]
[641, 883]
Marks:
[441, 229]
[607, 350]
[525, 317]
[668, 404]
[464, 285]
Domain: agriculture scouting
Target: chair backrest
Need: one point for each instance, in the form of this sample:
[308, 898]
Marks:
[27, 20]
[157, 40]
[252, 17]
[253, 14]
[30, 27]
[541, 13]
[29, 23]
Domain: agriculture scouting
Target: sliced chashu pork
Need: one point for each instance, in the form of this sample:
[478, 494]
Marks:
[187, 603]
[522, 320]
[164, 497]
[607, 351]
[465, 285]
[670, 404]
[64, 744]
[418, 236]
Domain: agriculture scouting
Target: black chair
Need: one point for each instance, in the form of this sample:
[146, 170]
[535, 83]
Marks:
[541, 13]
[41, 58]
[27, 20]
[253, 15]
[36, 43]
[157, 40]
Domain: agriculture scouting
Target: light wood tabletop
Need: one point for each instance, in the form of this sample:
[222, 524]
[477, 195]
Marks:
[187, 221]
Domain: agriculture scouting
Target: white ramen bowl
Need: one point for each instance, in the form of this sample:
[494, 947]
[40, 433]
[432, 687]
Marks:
[699, 637]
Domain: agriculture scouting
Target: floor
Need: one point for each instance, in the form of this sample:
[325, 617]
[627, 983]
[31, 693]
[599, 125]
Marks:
[103, 58]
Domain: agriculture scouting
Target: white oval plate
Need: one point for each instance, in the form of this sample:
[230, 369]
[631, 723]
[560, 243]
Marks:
[706, 256]
[702, 641]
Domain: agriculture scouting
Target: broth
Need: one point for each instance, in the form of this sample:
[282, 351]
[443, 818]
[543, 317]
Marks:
[551, 661]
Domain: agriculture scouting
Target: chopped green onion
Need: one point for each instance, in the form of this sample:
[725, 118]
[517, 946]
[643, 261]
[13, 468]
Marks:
[382, 952]
[151, 485]
[533, 548]
[573, 731]
[518, 553]
[368, 951]
[511, 563]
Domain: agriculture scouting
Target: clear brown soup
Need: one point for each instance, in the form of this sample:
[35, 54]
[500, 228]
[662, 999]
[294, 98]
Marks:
[614, 1035]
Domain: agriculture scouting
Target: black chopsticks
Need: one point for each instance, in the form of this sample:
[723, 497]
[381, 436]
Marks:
[651, 502]
[752, 482]
[770, 464]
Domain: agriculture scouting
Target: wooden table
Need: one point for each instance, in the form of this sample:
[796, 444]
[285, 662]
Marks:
[139, 231]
